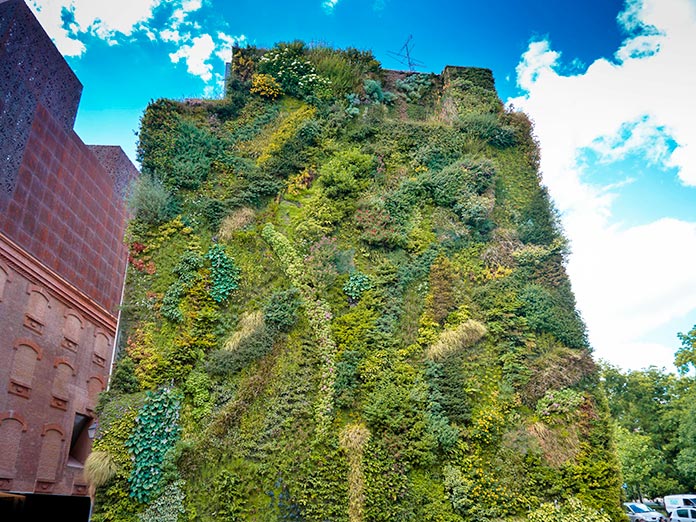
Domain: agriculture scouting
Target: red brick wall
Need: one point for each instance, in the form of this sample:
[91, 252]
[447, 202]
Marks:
[55, 357]
[65, 212]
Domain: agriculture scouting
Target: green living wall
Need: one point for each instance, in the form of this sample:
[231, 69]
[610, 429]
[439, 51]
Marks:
[347, 301]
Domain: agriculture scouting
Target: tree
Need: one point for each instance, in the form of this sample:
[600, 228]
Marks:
[685, 358]
[649, 407]
[640, 462]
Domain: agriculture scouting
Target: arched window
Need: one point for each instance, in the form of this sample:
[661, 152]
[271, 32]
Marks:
[102, 345]
[62, 382]
[23, 367]
[95, 385]
[72, 331]
[52, 440]
[37, 310]
[11, 429]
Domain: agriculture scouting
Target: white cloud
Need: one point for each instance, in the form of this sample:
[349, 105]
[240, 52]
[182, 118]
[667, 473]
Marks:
[196, 55]
[225, 45]
[106, 19]
[639, 355]
[329, 5]
[170, 35]
[628, 281]
[71, 22]
[191, 5]
[199, 52]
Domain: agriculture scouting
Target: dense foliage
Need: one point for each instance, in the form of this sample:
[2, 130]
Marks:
[654, 424]
[347, 300]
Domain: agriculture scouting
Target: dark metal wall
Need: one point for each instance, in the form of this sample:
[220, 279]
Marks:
[32, 72]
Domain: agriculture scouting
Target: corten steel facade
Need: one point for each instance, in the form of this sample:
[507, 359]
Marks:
[62, 266]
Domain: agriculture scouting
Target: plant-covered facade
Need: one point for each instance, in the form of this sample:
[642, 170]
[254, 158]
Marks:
[347, 301]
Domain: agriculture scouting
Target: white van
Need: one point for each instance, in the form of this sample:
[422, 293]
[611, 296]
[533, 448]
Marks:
[673, 502]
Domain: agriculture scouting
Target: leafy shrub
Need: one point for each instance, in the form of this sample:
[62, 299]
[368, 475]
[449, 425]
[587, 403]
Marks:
[150, 201]
[123, 378]
[296, 75]
[440, 428]
[449, 388]
[546, 313]
[156, 137]
[357, 284]
[347, 381]
[226, 497]
[301, 181]
[489, 128]
[325, 261]
[397, 410]
[467, 176]
[244, 62]
[168, 506]
[280, 313]
[251, 341]
[353, 109]
[559, 403]
[477, 76]
[212, 211]
[452, 341]
[374, 92]
[470, 98]
[224, 274]
[539, 221]
[475, 211]
[378, 227]
[265, 86]
[171, 302]
[236, 97]
[345, 173]
[292, 135]
[187, 271]
[434, 157]
[415, 86]
[193, 152]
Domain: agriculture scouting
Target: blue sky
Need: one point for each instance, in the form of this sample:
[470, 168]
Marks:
[608, 83]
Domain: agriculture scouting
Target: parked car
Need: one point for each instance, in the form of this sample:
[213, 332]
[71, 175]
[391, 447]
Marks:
[673, 502]
[638, 512]
[683, 515]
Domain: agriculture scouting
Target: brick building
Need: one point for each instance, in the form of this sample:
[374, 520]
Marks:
[62, 266]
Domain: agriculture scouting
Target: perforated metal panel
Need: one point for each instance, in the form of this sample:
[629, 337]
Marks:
[32, 71]
[117, 164]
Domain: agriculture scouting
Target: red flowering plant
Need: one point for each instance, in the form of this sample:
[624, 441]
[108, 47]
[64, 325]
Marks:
[140, 262]
[377, 227]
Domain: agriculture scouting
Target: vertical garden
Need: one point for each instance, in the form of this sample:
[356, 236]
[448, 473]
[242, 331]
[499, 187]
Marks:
[347, 301]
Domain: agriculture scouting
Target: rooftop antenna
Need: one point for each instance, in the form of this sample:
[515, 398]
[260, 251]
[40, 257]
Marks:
[404, 55]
